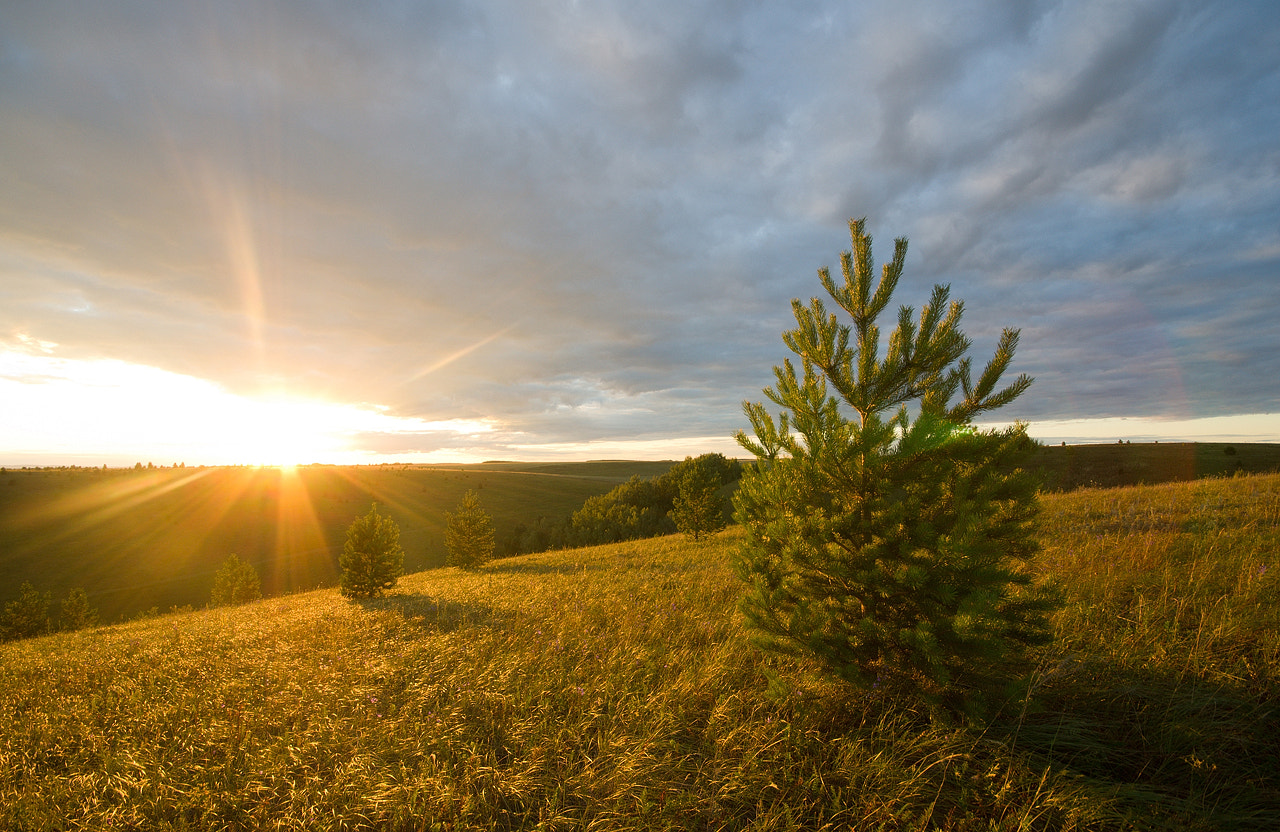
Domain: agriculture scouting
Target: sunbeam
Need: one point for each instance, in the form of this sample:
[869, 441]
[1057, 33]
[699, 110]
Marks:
[459, 353]
[299, 536]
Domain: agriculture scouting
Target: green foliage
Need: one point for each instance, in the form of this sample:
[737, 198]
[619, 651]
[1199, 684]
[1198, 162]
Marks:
[698, 510]
[892, 546]
[541, 535]
[642, 507]
[468, 533]
[26, 616]
[632, 510]
[76, 612]
[371, 559]
[236, 582]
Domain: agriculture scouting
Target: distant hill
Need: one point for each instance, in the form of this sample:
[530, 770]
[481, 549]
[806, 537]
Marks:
[137, 539]
[1068, 467]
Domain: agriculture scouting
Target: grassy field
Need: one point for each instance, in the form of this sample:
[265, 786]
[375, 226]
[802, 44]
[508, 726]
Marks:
[137, 540]
[1067, 467]
[613, 688]
[154, 538]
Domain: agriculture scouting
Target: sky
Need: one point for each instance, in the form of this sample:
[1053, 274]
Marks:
[292, 232]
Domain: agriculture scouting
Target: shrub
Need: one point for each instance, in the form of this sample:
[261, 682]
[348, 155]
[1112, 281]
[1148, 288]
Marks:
[235, 583]
[76, 612]
[26, 616]
[891, 542]
[468, 533]
[698, 509]
[636, 508]
[643, 507]
[371, 559]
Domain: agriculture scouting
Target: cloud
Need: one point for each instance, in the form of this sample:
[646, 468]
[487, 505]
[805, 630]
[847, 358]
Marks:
[586, 221]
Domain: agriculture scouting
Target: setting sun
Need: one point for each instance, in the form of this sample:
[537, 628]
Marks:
[134, 413]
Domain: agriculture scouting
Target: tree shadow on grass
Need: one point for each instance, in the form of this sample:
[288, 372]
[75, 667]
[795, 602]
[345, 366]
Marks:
[431, 613]
[1180, 751]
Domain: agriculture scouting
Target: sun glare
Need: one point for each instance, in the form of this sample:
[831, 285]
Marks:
[58, 407]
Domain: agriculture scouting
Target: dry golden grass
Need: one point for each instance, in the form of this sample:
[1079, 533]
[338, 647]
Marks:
[613, 688]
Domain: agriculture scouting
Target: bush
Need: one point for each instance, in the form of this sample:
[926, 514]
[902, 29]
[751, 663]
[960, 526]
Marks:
[235, 583]
[890, 545]
[637, 508]
[76, 612]
[698, 509]
[371, 559]
[468, 533]
[27, 616]
[642, 507]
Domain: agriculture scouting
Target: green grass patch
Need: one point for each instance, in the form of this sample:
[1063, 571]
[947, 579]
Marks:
[613, 688]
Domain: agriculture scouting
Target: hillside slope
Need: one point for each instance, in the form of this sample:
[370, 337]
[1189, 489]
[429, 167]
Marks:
[614, 688]
[137, 539]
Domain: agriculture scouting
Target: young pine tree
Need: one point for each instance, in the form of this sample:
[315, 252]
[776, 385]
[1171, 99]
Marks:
[468, 533]
[371, 559]
[884, 534]
[236, 582]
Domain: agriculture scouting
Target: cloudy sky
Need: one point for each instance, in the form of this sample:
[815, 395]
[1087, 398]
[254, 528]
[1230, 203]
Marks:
[308, 231]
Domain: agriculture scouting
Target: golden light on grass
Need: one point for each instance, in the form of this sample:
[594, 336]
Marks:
[614, 688]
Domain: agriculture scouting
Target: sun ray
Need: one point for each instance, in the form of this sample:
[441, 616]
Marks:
[404, 510]
[231, 215]
[298, 535]
[94, 506]
[460, 353]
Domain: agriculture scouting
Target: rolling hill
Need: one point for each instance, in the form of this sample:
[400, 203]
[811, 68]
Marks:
[614, 688]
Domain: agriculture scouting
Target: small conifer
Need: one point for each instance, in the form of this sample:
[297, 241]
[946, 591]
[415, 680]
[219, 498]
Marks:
[697, 509]
[468, 533]
[236, 582]
[371, 559]
[884, 533]
[76, 612]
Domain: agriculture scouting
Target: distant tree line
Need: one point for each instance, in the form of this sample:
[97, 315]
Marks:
[638, 508]
[30, 615]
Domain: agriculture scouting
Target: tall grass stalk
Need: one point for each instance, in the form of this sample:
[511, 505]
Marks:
[613, 688]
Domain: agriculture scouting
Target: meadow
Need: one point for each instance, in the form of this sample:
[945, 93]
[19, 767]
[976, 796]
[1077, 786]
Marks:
[614, 688]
